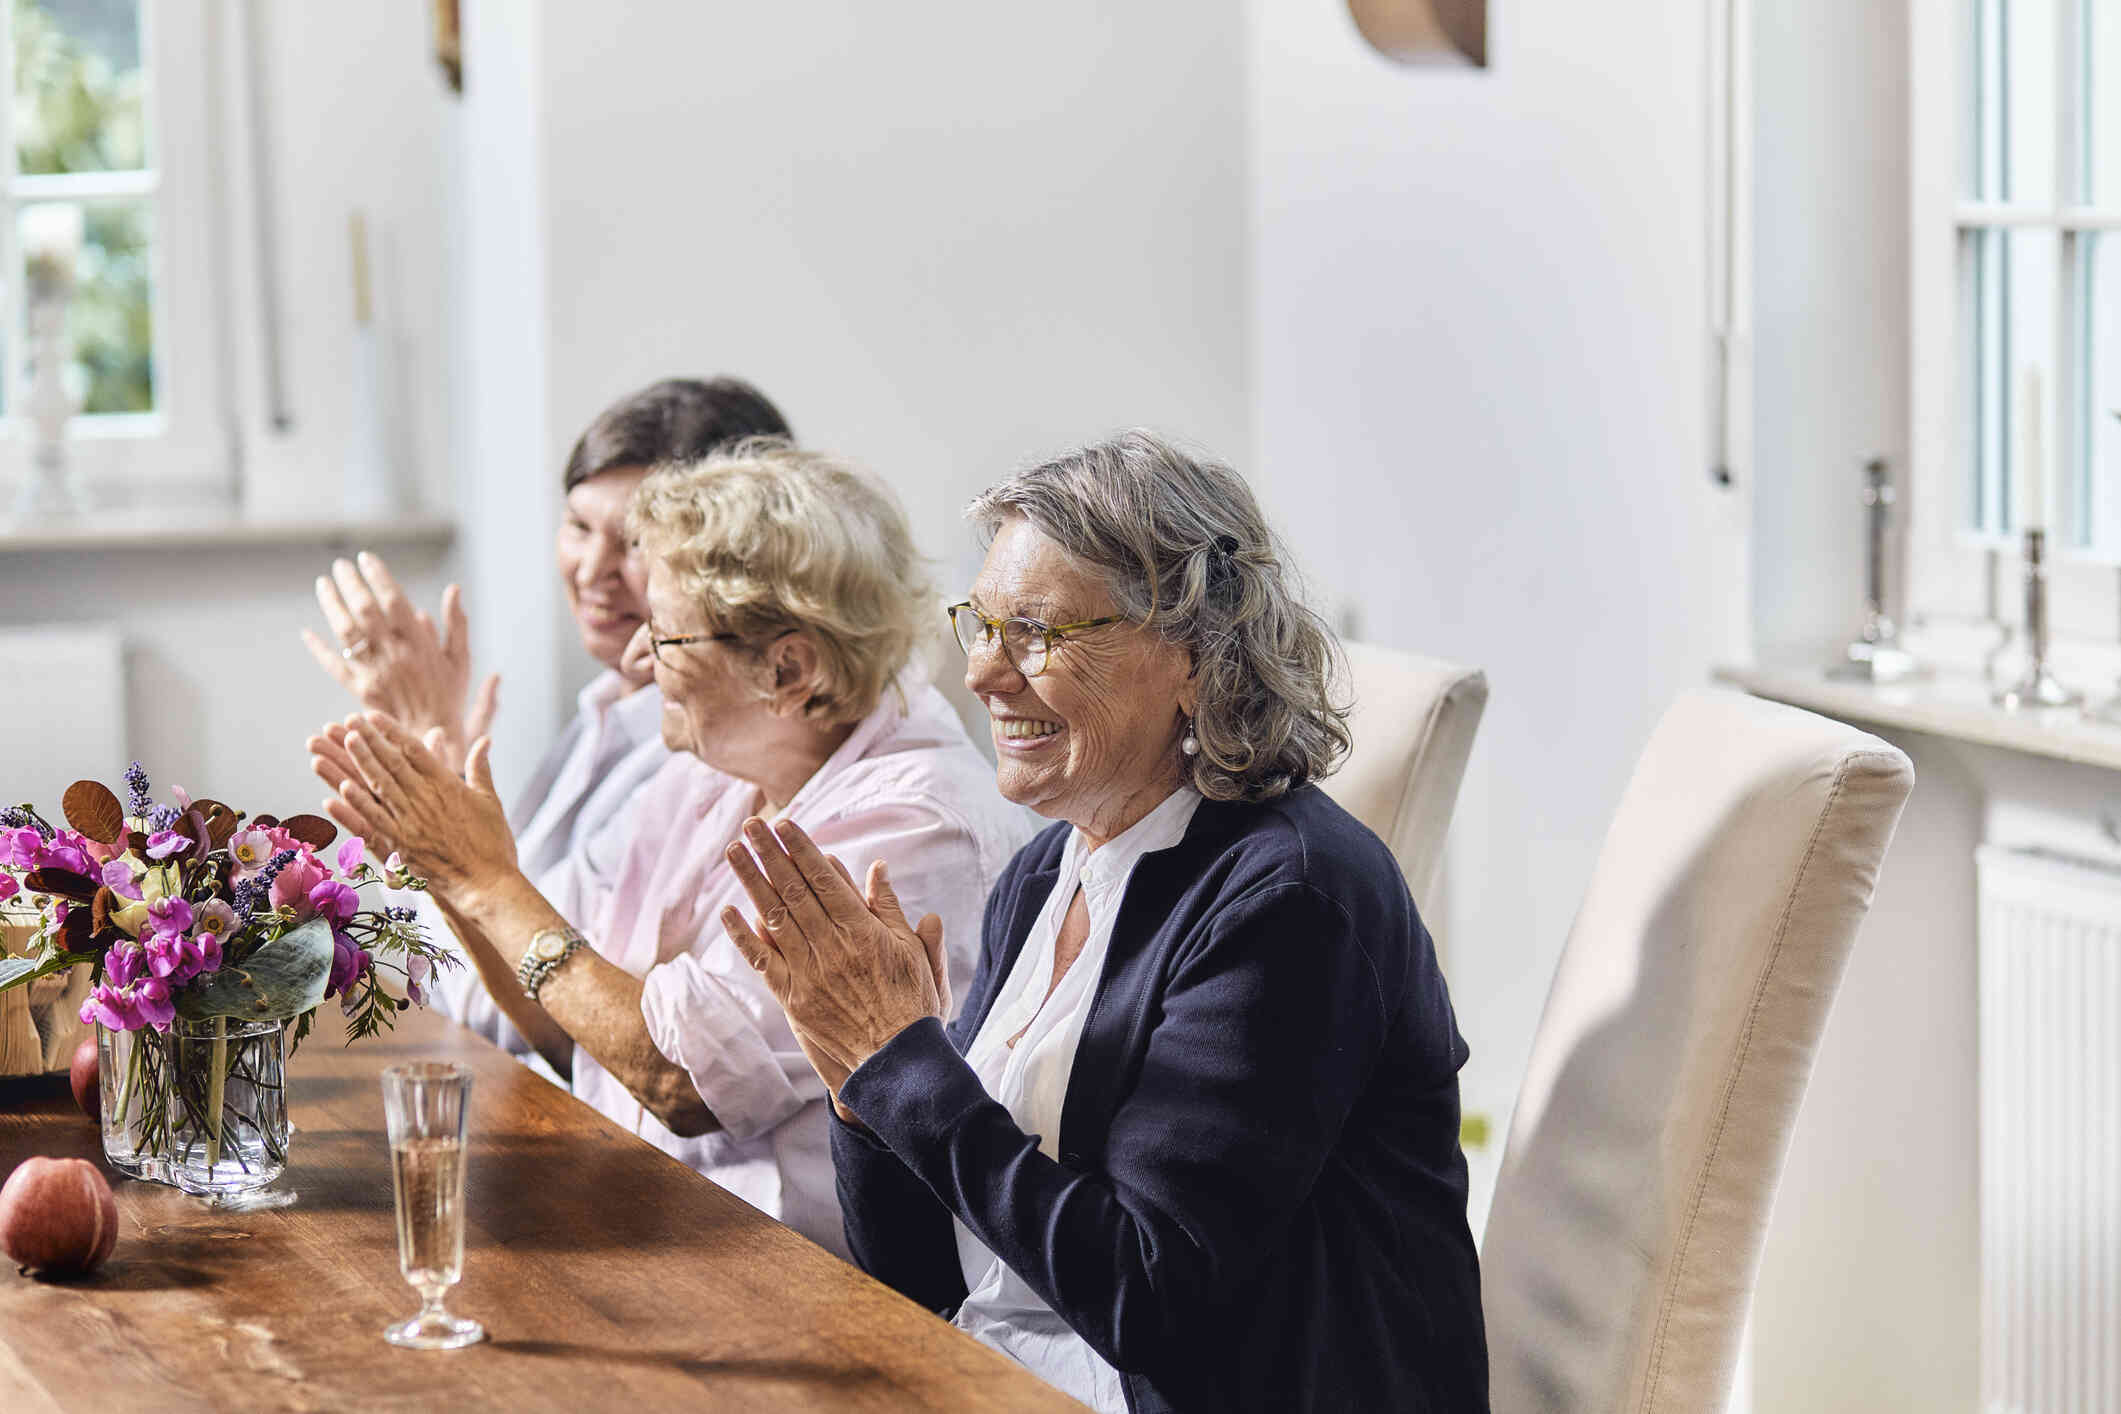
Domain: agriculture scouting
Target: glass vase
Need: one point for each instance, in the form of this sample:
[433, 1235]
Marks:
[202, 1106]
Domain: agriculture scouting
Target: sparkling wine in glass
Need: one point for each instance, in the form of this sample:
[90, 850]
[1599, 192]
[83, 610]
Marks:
[424, 1106]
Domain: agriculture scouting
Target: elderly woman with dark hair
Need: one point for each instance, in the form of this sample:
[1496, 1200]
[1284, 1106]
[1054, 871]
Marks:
[1193, 1141]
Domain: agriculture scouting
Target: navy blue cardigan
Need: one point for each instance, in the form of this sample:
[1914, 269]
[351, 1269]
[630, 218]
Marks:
[1260, 1201]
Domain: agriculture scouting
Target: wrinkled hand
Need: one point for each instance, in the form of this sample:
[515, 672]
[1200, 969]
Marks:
[394, 659]
[844, 963]
[334, 765]
[451, 830]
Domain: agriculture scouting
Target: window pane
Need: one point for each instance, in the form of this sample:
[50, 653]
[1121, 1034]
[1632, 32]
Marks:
[2099, 290]
[101, 248]
[1988, 287]
[2012, 48]
[2101, 136]
[2034, 266]
[2014, 296]
[78, 86]
[1984, 148]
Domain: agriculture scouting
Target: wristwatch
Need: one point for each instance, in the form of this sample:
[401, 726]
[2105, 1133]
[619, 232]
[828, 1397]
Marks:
[549, 947]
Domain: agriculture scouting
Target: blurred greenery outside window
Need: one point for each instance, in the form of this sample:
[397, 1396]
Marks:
[80, 136]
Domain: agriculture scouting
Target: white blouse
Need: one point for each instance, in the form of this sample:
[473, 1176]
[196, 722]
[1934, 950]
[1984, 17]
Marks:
[571, 826]
[1030, 1080]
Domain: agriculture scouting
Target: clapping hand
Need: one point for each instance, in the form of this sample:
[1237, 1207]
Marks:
[394, 659]
[450, 829]
[844, 963]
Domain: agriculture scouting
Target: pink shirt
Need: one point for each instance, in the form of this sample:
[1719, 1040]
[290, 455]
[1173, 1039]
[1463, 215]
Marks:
[908, 787]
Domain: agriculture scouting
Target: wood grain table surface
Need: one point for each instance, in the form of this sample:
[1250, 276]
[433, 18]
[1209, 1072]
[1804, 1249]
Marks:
[607, 1274]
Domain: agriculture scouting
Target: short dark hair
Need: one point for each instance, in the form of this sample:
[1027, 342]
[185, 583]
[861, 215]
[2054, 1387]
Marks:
[675, 420]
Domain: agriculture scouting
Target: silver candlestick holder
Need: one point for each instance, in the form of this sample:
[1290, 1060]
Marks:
[2036, 688]
[1876, 654]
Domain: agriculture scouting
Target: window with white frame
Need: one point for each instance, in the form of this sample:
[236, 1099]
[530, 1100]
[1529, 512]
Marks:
[104, 186]
[2015, 143]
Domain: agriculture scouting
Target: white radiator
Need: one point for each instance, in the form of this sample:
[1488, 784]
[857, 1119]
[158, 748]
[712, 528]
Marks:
[2050, 963]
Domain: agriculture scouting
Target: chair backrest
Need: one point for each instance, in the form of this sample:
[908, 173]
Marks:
[1413, 724]
[1674, 1049]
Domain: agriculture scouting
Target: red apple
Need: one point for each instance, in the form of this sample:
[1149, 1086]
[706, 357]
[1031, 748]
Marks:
[87, 1072]
[58, 1217]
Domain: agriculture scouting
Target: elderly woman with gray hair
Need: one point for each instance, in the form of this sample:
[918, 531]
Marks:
[783, 600]
[1193, 1141]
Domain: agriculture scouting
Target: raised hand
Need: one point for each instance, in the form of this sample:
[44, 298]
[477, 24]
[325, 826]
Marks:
[393, 658]
[450, 829]
[848, 968]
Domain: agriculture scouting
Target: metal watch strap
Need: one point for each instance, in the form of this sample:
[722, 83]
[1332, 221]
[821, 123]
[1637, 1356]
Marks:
[534, 968]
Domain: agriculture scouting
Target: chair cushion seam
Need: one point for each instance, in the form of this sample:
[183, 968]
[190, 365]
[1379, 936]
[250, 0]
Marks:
[1701, 1182]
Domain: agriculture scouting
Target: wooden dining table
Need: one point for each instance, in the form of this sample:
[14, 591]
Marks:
[607, 1274]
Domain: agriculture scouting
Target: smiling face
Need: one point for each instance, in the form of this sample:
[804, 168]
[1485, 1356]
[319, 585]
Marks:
[603, 578]
[1092, 740]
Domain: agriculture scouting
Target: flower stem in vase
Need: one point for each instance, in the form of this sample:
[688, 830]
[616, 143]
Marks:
[216, 1078]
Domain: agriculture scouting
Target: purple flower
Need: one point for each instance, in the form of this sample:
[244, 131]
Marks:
[164, 843]
[136, 784]
[214, 917]
[165, 956]
[208, 945]
[334, 900]
[67, 850]
[406, 980]
[112, 1008]
[350, 854]
[348, 961]
[169, 915]
[157, 1007]
[23, 848]
[118, 878]
[123, 964]
[8, 887]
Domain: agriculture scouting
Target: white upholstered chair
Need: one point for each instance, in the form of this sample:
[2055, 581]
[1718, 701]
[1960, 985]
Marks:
[1413, 724]
[1668, 1066]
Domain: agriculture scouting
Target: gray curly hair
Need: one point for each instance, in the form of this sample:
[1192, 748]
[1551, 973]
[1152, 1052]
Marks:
[1182, 547]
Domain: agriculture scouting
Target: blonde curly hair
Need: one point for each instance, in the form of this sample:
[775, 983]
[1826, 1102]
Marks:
[768, 536]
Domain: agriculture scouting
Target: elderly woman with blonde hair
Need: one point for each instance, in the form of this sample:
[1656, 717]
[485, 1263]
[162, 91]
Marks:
[784, 598]
[1193, 1141]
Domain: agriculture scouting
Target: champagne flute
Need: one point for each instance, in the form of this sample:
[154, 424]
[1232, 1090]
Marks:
[424, 1106]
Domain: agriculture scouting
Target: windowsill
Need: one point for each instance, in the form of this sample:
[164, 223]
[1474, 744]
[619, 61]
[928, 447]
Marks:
[1947, 704]
[136, 532]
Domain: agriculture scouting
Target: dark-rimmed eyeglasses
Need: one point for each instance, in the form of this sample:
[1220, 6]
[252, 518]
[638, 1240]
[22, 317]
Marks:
[1027, 642]
[657, 645]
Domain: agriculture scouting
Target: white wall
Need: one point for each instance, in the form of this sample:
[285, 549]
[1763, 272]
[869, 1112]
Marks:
[943, 243]
[1482, 333]
[1830, 308]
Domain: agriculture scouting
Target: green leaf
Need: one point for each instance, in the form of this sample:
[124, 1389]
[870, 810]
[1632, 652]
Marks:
[283, 978]
[14, 971]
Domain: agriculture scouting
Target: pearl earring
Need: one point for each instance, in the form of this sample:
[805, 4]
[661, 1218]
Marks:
[1189, 744]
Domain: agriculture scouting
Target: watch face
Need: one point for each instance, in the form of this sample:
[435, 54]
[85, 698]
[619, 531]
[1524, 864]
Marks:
[550, 947]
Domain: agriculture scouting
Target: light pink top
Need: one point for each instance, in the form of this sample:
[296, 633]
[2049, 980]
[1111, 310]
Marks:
[907, 787]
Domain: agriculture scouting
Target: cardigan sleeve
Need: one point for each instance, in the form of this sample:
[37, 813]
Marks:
[1267, 1030]
[897, 1229]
